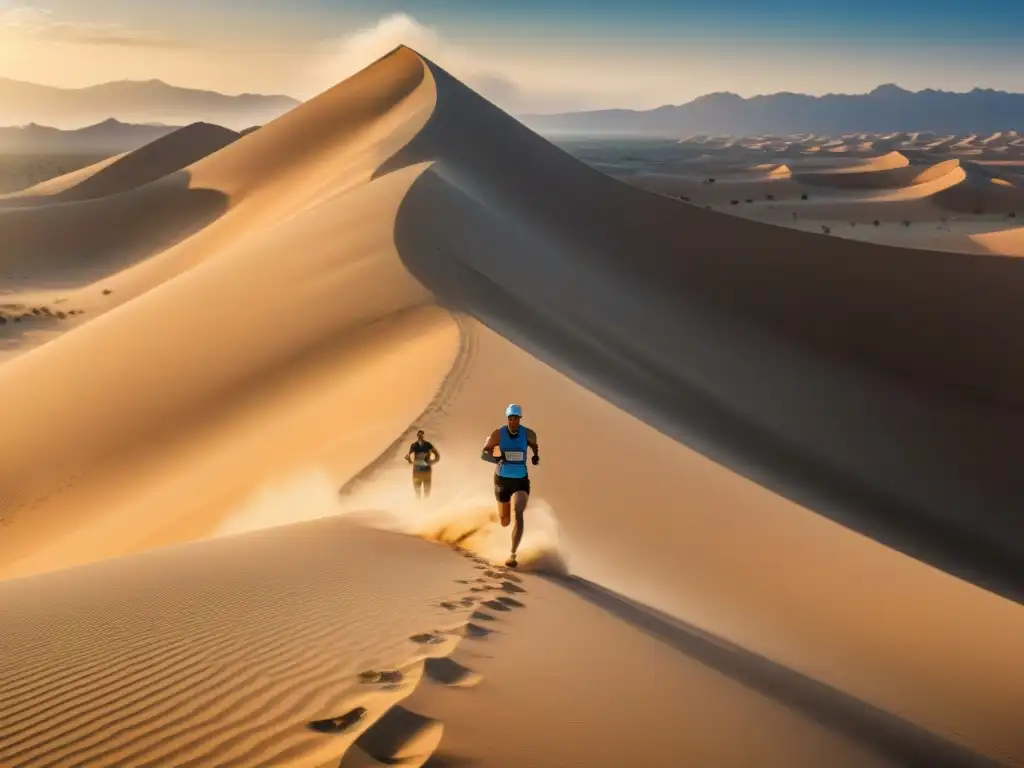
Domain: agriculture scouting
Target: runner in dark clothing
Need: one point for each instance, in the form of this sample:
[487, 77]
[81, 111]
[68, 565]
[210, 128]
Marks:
[422, 455]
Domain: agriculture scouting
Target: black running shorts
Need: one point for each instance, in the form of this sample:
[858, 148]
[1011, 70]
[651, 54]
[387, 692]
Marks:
[504, 487]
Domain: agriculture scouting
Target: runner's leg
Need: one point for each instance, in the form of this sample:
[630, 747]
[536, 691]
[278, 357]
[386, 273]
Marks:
[520, 500]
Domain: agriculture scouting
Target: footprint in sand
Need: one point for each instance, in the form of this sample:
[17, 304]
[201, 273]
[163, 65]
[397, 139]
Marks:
[387, 677]
[503, 603]
[339, 724]
[476, 631]
[448, 672]
[399, 737]
[427, 638]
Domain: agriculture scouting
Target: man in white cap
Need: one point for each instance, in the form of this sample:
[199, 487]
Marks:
[511, 478]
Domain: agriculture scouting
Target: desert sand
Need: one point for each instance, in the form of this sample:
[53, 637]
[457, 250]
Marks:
[795, 542]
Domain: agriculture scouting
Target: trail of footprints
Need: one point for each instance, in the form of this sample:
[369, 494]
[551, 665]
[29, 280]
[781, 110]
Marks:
[387, 733]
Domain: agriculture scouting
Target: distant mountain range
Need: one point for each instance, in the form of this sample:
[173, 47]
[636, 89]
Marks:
[130, 101]
[108, 137]
[888, 108]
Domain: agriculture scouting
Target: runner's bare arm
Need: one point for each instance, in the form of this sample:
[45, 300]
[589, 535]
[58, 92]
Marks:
[487, 454]
[437, 455]
[531, 440]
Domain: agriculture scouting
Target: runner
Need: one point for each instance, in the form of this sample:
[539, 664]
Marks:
[511, 478]
[422, 455]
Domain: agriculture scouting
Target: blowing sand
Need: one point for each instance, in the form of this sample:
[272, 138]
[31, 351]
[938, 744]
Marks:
[774, 522]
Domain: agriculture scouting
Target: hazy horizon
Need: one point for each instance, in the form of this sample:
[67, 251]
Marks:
[527, 56]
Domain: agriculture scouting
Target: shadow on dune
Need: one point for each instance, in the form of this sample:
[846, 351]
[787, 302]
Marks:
[889, 735]
[13, 334]
[153, 161]
[64, 244]
[879, 386]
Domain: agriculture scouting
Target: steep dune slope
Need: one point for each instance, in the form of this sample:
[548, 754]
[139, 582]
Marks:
[297, 281]
[880, 386]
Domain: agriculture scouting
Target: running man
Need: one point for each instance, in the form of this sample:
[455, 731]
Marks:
[423, 456]
[511, 478]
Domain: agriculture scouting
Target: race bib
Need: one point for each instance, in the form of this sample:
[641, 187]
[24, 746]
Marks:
[420, 462]
[515, 456]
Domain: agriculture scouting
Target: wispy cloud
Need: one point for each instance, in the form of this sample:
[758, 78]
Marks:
[351, 53]
[27, 20]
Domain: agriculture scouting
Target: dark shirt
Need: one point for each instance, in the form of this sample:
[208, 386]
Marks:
[421, 452]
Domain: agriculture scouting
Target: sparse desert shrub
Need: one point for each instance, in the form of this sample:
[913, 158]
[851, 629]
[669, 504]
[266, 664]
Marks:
[1011, 215]
[803, 196]
[35, 311]
[61, 315]
[750, 200]
[853, 223]
[769, 197]
[709, 180]
[795, 217]
[906, 223]
[826, 230]
[876, 223]
[734, 202]
[684, 198]
[107, 291]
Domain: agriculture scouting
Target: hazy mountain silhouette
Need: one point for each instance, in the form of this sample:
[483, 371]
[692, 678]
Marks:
[107, 137]
[133, 101]
[886, 108]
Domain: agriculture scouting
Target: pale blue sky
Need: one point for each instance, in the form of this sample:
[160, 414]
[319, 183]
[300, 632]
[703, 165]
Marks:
[529, 54]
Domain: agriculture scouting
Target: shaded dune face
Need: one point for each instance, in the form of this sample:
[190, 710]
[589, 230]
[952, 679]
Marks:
[878, 385]
[155, 160]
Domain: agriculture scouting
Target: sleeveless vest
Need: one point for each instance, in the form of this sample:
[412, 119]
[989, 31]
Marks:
[513, 450]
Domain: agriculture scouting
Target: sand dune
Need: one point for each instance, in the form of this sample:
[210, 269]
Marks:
[128, 170]
[965, 202]
[58, 184]
[221, 652]
[399, 230]
[159, 158]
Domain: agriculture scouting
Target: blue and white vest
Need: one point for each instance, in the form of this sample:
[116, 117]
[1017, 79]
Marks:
[513, 451]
